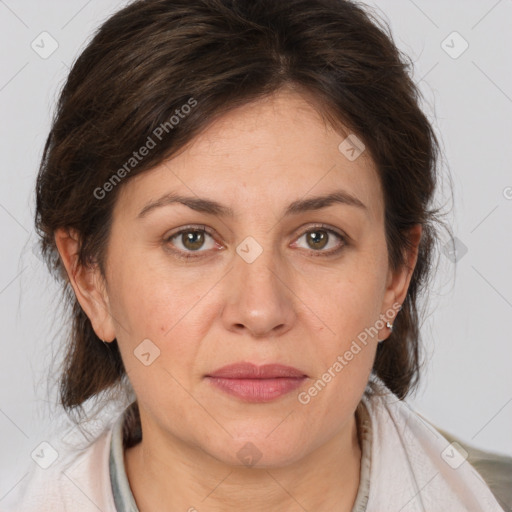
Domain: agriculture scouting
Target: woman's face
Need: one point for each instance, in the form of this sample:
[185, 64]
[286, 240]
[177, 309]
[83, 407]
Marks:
[265, 283]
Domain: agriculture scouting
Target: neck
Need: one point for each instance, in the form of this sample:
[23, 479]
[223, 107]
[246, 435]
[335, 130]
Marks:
[184, 477]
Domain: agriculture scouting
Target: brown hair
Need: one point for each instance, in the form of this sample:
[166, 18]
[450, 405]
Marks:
[153, 57]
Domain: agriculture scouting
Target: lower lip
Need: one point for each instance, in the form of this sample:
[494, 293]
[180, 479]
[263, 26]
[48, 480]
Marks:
[257, 390]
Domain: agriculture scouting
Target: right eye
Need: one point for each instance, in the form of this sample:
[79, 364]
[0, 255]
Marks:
[191, 240]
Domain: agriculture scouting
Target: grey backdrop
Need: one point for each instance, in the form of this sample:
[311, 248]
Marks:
[462, 53]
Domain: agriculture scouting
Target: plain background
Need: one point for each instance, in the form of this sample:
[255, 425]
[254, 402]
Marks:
[467, 383]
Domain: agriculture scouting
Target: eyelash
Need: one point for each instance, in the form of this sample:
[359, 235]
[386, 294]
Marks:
[190, 254]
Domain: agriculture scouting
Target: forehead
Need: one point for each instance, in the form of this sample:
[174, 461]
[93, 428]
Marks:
[276, 150]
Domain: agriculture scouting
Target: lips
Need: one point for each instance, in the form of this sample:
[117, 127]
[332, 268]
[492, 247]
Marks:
[252, 371]
[252, 383]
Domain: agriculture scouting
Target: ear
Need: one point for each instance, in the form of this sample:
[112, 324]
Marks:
[88, 284]
[399, 280]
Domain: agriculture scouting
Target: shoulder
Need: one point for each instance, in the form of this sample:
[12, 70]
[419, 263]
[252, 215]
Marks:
[495, 468]
[414, 466]
[63, 478]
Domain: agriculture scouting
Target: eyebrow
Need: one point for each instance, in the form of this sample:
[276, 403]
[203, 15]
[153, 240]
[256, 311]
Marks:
[214, 208]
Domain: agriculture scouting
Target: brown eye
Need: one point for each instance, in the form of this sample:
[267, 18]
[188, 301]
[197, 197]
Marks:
[192, 240]
[322, 241]
[317, 239]
[187, 241]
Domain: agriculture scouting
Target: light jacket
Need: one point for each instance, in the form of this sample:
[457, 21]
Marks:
[412, 467]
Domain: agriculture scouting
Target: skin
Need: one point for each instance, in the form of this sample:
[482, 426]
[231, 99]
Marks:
[290, 306]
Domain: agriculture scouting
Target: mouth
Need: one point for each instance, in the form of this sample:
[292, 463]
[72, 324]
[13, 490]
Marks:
[253, 383]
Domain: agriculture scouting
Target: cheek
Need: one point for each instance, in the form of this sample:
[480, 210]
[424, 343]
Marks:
[160, 333]
[345, 304]
[344, 348]
[170, 307]
[151, 297]
[346, 299]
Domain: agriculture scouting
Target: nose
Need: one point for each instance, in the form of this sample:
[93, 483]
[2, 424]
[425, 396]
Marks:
[259, 299]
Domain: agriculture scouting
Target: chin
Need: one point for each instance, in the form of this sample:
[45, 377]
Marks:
[261, 451]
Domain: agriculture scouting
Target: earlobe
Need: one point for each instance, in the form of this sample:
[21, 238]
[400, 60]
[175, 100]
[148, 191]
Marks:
[87, 283]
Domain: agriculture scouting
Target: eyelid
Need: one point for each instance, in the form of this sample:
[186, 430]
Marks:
[303, 230]
[190, 227]
[306, 228]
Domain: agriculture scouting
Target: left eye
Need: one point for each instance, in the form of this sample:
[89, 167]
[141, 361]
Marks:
[321, 240]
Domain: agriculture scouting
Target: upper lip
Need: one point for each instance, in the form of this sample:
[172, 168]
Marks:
[246, 370]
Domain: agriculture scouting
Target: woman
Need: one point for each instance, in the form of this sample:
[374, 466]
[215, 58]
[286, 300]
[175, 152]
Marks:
[237, 196]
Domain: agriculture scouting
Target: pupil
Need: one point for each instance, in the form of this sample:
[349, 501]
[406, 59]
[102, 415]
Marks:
[193, 240]
[319, 238]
